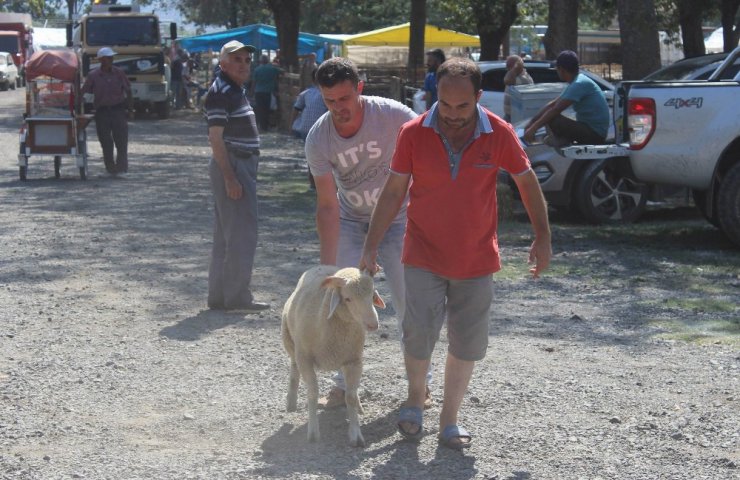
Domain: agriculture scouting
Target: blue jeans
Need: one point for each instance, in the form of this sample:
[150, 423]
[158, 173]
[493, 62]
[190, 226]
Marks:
[351, 240]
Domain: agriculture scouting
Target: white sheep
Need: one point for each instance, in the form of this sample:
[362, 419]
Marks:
[323, 327]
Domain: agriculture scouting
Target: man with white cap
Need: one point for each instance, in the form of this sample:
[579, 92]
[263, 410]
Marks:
[235, 142]
[112, 101]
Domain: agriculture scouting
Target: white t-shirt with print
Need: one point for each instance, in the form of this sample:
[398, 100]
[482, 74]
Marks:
[360, 164]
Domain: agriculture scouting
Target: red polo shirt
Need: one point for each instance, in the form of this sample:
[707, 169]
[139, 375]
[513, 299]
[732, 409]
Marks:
[452, 217]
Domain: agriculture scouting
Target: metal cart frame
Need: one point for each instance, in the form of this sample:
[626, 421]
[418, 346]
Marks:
[53, 123]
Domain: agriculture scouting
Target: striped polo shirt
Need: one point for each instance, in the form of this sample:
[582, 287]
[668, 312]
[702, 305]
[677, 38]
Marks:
[227, 106]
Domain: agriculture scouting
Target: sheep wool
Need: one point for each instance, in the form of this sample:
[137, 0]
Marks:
[323, 328]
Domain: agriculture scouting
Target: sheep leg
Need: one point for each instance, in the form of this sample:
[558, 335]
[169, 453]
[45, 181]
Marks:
[292, 402]
[312, 389]
[352, 374]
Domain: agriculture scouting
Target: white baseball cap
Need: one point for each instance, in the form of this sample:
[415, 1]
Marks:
[235, 46]
[106, 52]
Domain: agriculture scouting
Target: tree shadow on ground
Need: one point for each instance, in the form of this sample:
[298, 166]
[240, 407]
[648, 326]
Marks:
[198, 326]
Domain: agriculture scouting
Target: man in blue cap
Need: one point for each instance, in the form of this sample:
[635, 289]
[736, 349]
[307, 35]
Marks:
[592, 112]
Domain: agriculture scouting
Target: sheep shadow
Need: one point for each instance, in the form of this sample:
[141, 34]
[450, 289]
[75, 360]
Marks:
[196, 327]
[332, 456]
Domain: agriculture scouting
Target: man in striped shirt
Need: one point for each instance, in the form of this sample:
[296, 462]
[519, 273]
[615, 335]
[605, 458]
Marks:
[232, 133]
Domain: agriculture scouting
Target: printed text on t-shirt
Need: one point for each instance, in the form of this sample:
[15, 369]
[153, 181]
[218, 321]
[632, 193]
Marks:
[350, 155]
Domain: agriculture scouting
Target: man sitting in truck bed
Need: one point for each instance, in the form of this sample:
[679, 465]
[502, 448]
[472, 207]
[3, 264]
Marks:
[592, 112]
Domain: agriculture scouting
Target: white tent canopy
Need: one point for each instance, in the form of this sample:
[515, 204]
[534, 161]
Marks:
[49, 38]
[714, 43]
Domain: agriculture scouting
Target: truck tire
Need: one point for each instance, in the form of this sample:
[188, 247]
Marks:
[728, 204]
[23, 169]
[607, 192]
[700, 200]
[162, 109]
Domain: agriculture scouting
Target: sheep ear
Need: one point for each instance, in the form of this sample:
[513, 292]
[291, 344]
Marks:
[377, 301]
[334, 301]
[335, 283]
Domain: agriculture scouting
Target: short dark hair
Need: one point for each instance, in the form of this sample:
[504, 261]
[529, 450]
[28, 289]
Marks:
[336, 70]
[568, 61]
[461, 67]
[438, 54]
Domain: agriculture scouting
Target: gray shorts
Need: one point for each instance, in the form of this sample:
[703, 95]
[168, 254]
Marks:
[465, 303]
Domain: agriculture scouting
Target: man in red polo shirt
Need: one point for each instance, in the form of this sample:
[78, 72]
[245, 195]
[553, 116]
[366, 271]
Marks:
[453, 154]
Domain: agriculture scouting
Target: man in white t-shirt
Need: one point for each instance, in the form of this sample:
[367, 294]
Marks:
[349, 151]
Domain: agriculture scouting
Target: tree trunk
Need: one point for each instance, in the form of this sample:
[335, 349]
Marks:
[233, 13]
[730, 24]
[638, 30]
[494, 22]
[692, 36]
[562, 27]
[287, 15]
[416, 39]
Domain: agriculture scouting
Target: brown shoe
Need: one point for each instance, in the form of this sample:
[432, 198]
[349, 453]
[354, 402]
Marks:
[333, 399]
[428, 399]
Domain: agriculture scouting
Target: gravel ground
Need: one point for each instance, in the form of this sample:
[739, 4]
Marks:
[112, 368]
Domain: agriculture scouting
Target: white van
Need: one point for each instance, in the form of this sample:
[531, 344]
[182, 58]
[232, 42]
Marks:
[8, 72]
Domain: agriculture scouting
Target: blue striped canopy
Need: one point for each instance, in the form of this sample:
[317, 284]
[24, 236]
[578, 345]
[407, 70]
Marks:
[263, 37]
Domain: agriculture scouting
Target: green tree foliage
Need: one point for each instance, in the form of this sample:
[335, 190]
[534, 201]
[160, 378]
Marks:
[220, 13]
[492, 21]
[352, 17]
[37, 8]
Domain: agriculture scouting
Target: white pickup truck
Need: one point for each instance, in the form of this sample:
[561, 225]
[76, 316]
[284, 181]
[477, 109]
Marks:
[687, 134]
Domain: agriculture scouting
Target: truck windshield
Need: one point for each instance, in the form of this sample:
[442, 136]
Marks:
[117, 31]
[9, 43]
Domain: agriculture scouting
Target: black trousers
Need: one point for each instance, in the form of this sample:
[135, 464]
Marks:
[262, 110]
[574, 131]
[111, 124]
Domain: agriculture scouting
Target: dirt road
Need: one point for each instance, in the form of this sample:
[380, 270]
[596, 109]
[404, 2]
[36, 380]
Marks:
[622, 363]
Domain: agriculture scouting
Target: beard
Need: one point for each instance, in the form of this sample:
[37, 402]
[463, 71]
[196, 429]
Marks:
[458, 123]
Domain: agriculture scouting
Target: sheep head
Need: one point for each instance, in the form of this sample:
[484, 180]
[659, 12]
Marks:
[356, 292]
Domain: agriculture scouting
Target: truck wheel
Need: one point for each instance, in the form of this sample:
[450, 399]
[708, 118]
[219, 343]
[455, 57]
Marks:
[728, 204]
[23, 169]
[4, 86]
[162, 109]
[700, 200]
[607, 192]
[12, 85]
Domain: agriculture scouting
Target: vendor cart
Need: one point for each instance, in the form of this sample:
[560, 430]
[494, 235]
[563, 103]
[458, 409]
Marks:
[53, 123]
